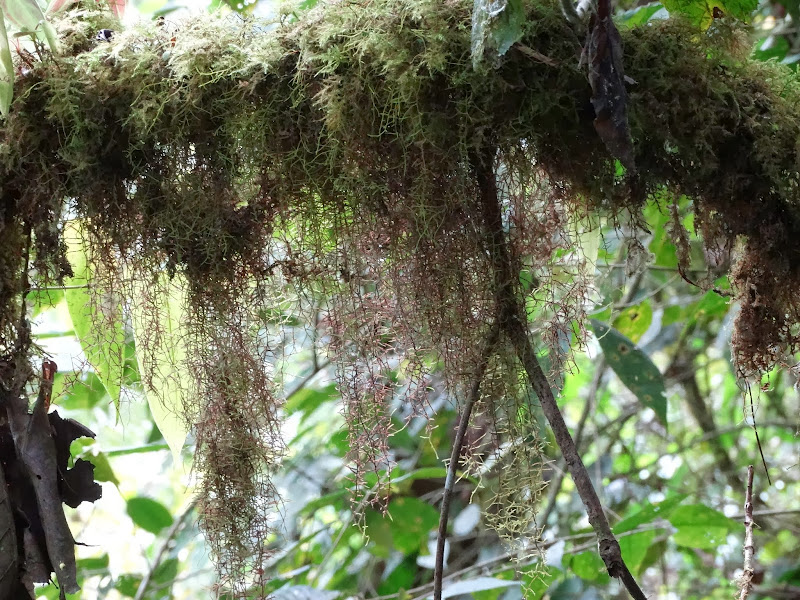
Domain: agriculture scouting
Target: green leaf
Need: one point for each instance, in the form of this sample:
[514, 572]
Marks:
[128, 584]
[46, 299]
[774, 47]
[148, 514]
[96, 319]
[568, 589]
[158, 317]
[308, 400]
[402, 577]
[535, 582]
[700, 526]
[701, 12]
[634, 368]
[496, 25]
[83, 393]
[792, 576]
[649, 513]
[28, 17]
[102, 468]
[589, 566]
[93, 563]
[6, 69]
[652, 556]
[640, 15]
[634, 548]
[411, 520]
[165, 573]
[335, 499]
[634, 321]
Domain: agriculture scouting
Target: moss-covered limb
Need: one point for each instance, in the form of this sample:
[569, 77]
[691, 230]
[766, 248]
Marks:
[314, 102]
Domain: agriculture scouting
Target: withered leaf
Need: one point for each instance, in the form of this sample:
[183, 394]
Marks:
[603, 52]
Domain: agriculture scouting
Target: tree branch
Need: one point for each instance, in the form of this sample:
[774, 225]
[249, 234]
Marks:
[173, 531]
[746, 580]
[452, 467]
[513, 321]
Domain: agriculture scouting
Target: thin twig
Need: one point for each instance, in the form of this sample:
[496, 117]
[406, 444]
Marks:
[424, 591]
[452, 467]
[749, 394]
[746, 580]
[58, 288]
[537, 56]
[308, 378]
[650, 268]
[177, 525]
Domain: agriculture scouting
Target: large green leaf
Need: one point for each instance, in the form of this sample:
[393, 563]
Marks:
[96, 318]
[634, 548]
[634, 368]
[6, 69]
[158, 317]
[640, 15]
[649, 513]
[700, 526]
[702, 12]
[411, 520]
[589, 566]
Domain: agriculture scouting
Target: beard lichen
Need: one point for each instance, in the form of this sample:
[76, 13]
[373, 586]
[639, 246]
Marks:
[332, 156]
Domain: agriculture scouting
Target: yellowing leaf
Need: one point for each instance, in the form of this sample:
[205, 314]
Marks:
[96, 318]
[158, 317]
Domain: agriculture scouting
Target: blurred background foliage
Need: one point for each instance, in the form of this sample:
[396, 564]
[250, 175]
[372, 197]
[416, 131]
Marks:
[670, 472]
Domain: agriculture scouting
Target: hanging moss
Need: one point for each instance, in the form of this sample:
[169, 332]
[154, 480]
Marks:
[333, 153]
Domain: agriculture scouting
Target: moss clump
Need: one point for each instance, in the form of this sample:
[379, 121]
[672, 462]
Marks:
[336, 155]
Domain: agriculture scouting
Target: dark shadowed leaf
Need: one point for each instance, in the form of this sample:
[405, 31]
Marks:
[634, 368]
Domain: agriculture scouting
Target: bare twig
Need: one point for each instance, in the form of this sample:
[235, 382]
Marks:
[534, 55]
[452, 467]
[746, 580]
[554, 486]
[177, 525]
[748, 394]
